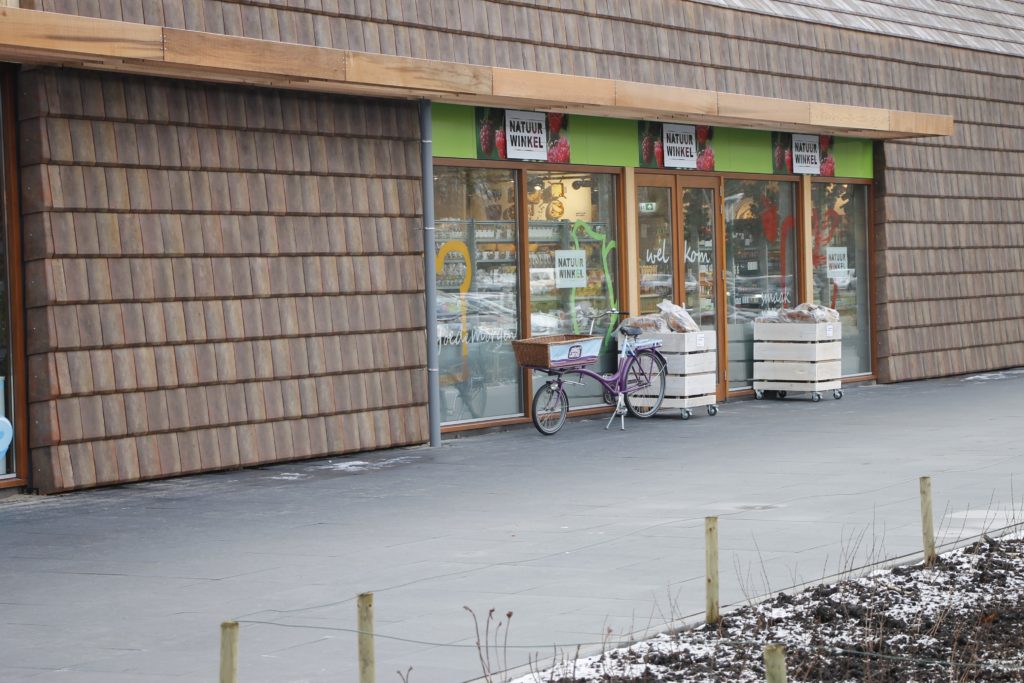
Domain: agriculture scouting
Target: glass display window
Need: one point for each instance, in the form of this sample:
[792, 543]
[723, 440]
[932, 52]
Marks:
[508, 238]
[839, 222]
[572, 228]
[761, 263]
[477, 302]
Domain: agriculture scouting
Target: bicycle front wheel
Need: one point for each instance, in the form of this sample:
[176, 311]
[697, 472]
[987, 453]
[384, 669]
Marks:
[645, 381]
[550, 406]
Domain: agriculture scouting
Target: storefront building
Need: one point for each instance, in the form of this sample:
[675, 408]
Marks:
[214, 223]
[729, 222]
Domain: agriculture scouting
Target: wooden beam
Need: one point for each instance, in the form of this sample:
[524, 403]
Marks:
[194, 50]
[544, 89]
[922, 124]
[805, 241]
[60, 39]
[844, 117]
[57, 36]
[643, 97]
[763, 109]
[631, 251]
[406, 73]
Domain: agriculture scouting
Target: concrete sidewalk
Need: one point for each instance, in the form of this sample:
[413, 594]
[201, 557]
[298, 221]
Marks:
[576, 534]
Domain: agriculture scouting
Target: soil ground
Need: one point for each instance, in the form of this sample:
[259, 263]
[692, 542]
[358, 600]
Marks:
[960, 620]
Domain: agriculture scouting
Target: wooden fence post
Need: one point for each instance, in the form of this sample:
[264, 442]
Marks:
[927, 530]
[711, 614]
[775, 663]
[367, 662]
[229, 652]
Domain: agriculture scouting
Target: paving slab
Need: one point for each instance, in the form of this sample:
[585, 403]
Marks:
[588, 537]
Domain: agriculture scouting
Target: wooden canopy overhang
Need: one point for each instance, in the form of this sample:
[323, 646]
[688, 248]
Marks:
[33, 37]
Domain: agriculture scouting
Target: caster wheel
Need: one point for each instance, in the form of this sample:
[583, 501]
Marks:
[758, 395]
[781, 395]
[712, 410]
[686, 413]
[816, 396]
[837, 394]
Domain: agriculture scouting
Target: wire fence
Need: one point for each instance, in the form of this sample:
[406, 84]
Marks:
[677, 626]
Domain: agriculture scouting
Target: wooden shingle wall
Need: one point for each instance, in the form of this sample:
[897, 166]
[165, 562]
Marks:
[216, 277]
[950, 265]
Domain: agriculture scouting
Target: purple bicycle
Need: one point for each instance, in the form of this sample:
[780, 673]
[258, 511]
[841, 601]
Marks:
[636, 387]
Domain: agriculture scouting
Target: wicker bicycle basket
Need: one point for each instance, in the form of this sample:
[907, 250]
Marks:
[557, 350]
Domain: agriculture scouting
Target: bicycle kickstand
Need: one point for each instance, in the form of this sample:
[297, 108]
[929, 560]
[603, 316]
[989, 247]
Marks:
[620, 412]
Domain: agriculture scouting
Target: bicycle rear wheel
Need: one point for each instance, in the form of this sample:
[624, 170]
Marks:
[646, 374]
[550, 406]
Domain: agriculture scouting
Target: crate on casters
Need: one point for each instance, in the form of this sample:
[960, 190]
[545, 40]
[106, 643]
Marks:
[798, 357]
[691, 372]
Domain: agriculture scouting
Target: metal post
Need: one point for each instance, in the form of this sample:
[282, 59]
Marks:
[430, 273]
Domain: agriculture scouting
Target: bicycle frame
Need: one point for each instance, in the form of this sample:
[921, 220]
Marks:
[614, 384]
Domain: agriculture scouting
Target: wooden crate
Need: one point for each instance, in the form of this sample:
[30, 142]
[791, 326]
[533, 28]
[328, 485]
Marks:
[797, 357]
[692, 369]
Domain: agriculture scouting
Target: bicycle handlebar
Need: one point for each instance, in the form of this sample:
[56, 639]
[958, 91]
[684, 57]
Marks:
[598, 316]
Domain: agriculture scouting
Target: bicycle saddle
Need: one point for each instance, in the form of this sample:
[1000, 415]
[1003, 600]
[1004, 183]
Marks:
[630, 331]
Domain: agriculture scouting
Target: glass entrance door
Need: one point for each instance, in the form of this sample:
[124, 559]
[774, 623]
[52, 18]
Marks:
[678, 247]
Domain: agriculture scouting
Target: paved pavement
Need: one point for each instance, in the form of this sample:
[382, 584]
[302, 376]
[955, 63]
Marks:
[576, 534]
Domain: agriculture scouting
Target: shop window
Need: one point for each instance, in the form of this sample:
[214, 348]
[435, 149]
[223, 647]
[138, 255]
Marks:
[839, 221]
[477, 300]
[572, 230]
[761, 262]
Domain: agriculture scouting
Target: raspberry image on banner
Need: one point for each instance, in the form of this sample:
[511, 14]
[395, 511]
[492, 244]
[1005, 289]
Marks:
[555, 123]
[789, 161]
[778, 158]
[647, 149]
[659, 154]
[706, 160]
[558, 152]
[703, 133]
[499, 142]
[486, 136]
[824, 141]
[828, 166]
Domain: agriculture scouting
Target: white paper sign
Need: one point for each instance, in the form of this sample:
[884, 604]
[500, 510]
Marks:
[526, 135]
[806, 154]
[680, 145]
[829, 330]
[570, 268]
[836, 260]
[700, 341]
